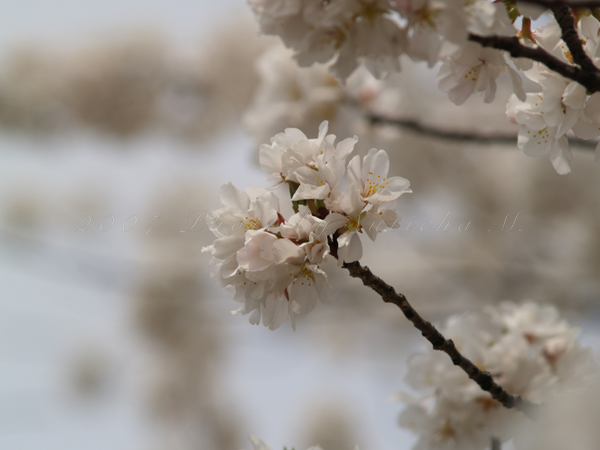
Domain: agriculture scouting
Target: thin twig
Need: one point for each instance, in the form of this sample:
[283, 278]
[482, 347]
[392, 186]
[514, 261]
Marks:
[438, 133]
[482, 378]
[590, 79]
[417, 127]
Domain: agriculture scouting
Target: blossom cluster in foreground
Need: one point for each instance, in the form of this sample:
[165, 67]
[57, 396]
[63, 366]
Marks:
[528, 350]
[273, 263]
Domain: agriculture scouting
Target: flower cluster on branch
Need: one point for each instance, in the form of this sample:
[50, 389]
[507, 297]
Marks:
[475, 41]
[273, 263]
[527, 348]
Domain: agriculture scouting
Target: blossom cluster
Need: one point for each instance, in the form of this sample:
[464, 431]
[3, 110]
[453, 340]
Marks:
[273, 263]
[562, 105]
[528, 350]
[375, 33]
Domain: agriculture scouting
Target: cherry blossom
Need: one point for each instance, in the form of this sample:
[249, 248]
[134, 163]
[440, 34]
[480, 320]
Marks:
[273, 263]
[527, 348]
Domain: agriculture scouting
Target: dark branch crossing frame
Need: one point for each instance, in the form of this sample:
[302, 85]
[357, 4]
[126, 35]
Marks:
[583, 71]
[430, 332]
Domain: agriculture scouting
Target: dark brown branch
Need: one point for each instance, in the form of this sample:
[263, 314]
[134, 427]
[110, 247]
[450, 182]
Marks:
[416, 127]
[589, 79]
[482, 378]
[563, 16]
[419, 128]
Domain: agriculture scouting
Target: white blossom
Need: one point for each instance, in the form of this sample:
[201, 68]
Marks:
[536, 137]
[527, 348]
[273, 264]
[472, 68]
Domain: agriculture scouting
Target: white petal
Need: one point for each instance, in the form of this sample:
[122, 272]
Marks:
[352, 251]
[234, 198]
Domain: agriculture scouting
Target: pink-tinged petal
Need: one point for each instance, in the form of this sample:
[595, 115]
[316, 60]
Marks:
[234, 198]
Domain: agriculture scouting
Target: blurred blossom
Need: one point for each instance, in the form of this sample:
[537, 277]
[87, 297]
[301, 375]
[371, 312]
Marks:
[172, 311]
[91, 372]
[115, 86]
[32, 90]
[133, 83]
[529, 350]
[331, 426]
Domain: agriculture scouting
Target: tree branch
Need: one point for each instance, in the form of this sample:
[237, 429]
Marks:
[563, 16]
[482, 378]
[590, 79]
[419, 128]
[413, 125]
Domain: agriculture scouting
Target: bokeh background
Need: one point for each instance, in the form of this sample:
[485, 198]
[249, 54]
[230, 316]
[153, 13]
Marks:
[120, 120]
